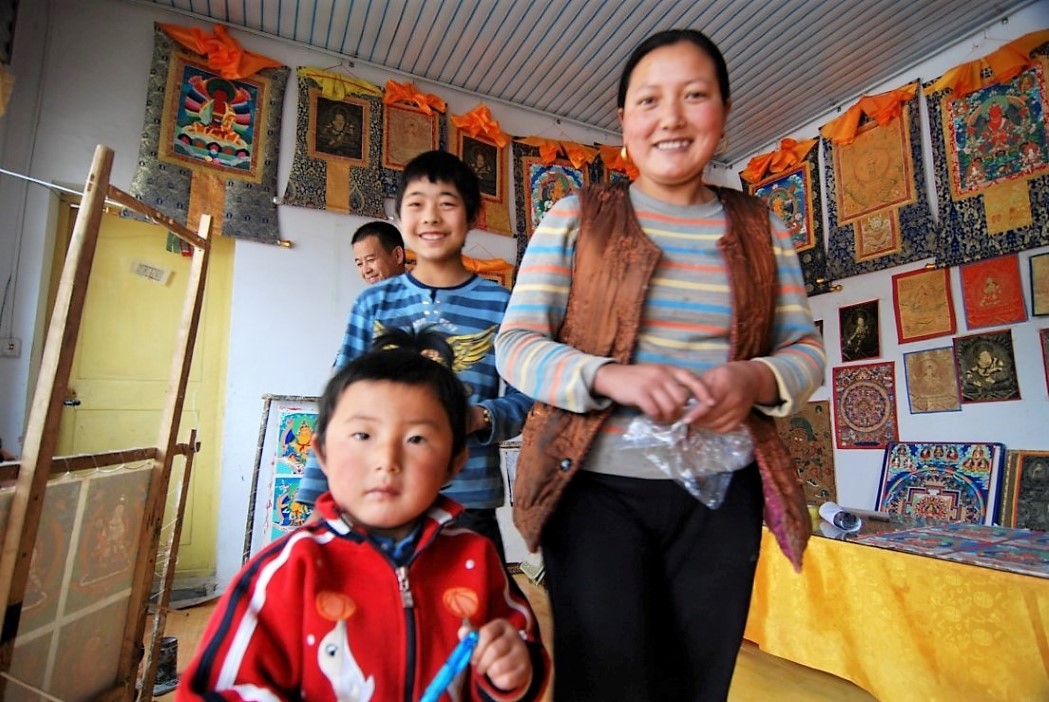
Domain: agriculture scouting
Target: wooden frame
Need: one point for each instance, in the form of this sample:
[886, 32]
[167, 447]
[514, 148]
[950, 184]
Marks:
[38, 463]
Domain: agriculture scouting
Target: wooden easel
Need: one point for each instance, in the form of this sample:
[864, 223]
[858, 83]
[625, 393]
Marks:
[38, 463]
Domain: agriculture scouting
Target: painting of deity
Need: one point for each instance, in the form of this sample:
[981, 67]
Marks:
[986, 367]
[339, 128]
[786, 195]
[295, 432]
[859, 331]
[483, 158]
[923, 303]
[545, 185]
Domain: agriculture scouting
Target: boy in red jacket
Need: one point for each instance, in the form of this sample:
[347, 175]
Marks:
[368, 602]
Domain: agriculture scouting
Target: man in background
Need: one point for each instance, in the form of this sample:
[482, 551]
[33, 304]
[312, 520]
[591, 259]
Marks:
[378, 251]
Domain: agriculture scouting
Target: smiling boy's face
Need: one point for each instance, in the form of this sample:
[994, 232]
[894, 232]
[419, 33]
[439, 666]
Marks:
[433, 220]
[387, 452]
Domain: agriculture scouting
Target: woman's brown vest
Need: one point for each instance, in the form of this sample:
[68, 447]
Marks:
[614, 262]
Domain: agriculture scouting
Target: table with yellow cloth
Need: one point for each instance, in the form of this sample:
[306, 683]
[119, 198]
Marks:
[904, 626]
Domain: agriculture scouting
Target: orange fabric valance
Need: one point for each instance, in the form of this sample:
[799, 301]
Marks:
[407, 93]
[882, 108]
[224, 53]
[479, 122]
[789, 154]
[1005, 64]
[614, 160]
[578, 154]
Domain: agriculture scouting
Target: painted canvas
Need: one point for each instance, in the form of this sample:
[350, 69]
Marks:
[932, 385]
[993, 293]
[807, 435]
[294, 434]
[923, 304]
[1024, 502]
[1043, 336]
[951, 482]
[859, 331]
[48, 575]
[489, 162]
[986, 367]
[865, 405]
[1039, 265]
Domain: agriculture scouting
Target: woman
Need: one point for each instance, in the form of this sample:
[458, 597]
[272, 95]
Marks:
[678, 292]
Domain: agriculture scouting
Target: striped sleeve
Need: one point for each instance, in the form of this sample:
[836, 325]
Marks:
[798, 359]
[527, 355]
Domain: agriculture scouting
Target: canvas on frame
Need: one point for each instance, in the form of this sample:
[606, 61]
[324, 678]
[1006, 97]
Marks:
[1039, 265]
[923, 305]
[993, 293]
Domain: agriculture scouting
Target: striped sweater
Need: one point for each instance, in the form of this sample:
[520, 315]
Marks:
[686, 319]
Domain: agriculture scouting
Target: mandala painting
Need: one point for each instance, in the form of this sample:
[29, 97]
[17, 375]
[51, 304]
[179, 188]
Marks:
[865, 405]
[991, 165]
[946, 482]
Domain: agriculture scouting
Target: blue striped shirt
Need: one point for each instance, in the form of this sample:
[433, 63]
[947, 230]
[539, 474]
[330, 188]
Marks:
[468, 315]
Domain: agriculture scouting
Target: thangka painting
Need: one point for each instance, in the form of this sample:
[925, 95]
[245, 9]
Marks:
[294, 434]
[986, 367]
[991, 164]
[1043, 336]
[932, 385]
[923, 304]
[338, 145]
[1024, 502]
[877, 207]
[539, 186]
[209, 144]
[858, 325]
[946, 482]
[993, 293]
[794, 196]
[807, 435]
[489, 162]
[865, 405]
[47, 570]
[1039, 266]
[412, 123]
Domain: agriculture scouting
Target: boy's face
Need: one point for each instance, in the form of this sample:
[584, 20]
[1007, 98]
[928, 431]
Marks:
[375, 263]
[387, 454]
[433, 220]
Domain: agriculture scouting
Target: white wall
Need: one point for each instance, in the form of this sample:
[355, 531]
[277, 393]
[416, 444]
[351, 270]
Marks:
[88, 68]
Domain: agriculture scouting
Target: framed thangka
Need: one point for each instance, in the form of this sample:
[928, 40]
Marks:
[932, 384]
[1039, 266]
[412, 123]
[807, 435]
[482, 145]
[337, 145]
[923, 304]
[986, 367]
[794, 197]
[858, 326]
[541, 182]
[1024, 502]
[865, 405]
[209, 143]
[991, 160]
[992, 292]
[877, 207]
[285, 433]
[946, 482]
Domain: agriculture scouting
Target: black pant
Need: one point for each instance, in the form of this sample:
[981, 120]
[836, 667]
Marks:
[649, 589]
[483, 521]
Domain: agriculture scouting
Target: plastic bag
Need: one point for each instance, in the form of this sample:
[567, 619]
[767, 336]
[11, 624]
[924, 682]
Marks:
[702, 461]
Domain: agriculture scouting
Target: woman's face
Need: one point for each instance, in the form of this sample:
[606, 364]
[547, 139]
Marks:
[672, 119]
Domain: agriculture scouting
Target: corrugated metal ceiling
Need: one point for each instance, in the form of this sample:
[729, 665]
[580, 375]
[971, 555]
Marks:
[789, 60]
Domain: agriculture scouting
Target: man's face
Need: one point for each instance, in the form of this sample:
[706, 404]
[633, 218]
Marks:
[376, 263]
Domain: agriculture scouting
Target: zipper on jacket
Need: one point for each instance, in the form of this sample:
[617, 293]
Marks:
[408, 603]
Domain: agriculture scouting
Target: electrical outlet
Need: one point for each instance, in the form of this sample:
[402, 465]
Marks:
[10, 347]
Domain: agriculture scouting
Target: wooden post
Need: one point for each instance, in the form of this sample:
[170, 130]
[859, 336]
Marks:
[44, 415]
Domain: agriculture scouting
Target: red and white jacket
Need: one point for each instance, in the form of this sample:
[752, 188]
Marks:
[323, 614]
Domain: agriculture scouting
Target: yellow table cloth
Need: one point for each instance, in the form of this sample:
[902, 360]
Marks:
[903, 626]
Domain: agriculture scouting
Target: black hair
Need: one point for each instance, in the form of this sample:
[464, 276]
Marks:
[418, 358]
[388, 235]
[444, 167]
[666, 38]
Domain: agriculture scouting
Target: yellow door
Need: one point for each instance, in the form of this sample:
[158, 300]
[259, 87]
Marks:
[123, 361]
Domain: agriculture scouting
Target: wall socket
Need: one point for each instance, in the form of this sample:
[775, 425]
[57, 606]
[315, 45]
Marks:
[10, 347]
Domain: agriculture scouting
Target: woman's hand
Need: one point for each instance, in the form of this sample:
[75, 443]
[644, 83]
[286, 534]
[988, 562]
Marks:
[501, 654]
